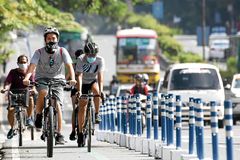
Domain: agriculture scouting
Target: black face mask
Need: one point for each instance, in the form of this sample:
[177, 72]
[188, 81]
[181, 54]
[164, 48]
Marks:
[51, 47]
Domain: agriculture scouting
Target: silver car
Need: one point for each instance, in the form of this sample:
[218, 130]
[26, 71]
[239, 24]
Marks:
[232, 92]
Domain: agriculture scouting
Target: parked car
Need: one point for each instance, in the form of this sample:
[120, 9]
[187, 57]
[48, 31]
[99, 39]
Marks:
[196, 80]
[218, 49]
[232, 92]
[123, 89]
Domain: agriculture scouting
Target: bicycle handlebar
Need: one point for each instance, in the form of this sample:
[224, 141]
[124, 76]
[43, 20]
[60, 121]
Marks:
[52, 83]
[91, 95]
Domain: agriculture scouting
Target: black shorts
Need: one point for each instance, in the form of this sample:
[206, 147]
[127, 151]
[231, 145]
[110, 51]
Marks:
[87, 87]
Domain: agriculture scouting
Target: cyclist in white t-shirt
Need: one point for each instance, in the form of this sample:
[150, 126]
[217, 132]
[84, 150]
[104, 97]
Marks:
[49, 62]
[89, 71]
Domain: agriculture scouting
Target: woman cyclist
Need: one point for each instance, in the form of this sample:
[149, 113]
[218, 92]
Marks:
[89, 70]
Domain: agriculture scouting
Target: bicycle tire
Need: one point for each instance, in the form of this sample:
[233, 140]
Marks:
[20, 127]
[32, 133]
[50, 132]
[93, 120]
[89, 129]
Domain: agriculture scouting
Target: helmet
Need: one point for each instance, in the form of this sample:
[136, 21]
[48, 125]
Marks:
[145, 77]
[78, 53]
[50, 30]
[91, 48]
[138, 77]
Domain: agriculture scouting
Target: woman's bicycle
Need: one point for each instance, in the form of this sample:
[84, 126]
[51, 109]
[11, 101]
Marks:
[19, 100]
[50, 117]
[89, 123]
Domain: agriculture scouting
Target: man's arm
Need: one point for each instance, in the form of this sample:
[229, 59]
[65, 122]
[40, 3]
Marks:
[100, 81]
[30, 71]
[70, 71]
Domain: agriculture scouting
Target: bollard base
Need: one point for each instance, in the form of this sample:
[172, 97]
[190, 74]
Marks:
[176, 154]
[139, 144]
[152, 147]
[98, 134]
[158, 150]
[188, 156]
[123, 140]
[128, 141]
[107, 136]
[145, 146]
[132, 142]
[166, 152]
[111, 137]
[117, 138]
[201, 159]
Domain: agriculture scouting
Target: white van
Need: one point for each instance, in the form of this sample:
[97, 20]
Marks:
[196, 80]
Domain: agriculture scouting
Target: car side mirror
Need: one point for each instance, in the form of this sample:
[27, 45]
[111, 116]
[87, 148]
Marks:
[228, 87]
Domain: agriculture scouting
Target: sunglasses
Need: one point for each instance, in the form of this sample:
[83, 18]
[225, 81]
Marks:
[51, 61]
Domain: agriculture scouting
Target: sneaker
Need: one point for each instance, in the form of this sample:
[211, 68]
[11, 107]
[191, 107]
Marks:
[29, 122]
[59, 139]
[10, 133]
[38, 121]
[81, 140]
[97, 118]
[72, 136]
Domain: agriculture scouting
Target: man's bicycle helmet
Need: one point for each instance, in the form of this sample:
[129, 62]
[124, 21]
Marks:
[50, 30]
[91, 48]
[138, 77]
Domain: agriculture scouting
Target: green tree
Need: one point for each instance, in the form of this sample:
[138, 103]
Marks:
[24, 14]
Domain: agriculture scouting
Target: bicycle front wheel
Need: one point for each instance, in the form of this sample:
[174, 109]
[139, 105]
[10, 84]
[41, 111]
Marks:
[50, 132]
[20, 128]
[89, 129]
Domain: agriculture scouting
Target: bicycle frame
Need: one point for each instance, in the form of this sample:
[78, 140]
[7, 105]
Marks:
[89, 123]
[16, 101]
[50, 115]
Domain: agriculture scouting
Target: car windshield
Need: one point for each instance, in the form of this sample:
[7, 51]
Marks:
[193, 79]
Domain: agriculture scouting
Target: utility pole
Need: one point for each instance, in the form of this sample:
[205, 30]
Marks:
[203, 27]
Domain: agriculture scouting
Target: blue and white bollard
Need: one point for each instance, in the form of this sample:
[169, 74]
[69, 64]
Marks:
[119, 114]
[178, 122]
[191, 125]
[214, 128]
[200, 129]
[108, 125]
[163, 119]
[228, 128]
[112, 115]
[134, 114]
[171, 119]
[149, 116]
[139, 115]
[124, 115]
[167, 117]
[155, 115]
[130, 115]
[124, 126]
[101, 113]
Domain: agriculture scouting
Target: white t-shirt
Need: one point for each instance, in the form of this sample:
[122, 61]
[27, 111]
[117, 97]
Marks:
[51, 65]
[89, 70]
